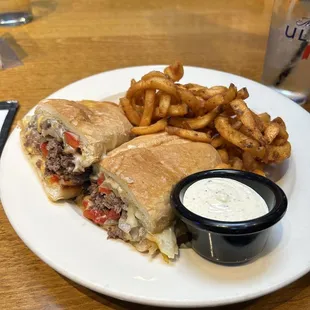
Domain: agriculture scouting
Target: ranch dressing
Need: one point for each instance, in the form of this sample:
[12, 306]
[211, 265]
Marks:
[224, 199]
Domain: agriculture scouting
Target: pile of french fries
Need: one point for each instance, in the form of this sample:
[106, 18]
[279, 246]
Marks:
[217, 115]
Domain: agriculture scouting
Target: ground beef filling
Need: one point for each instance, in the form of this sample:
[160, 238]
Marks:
[114, 232]
[33, 139]
[62, 164]
[103, 202]
[57, 161]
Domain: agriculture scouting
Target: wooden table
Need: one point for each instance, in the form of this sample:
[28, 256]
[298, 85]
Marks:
[69, 40]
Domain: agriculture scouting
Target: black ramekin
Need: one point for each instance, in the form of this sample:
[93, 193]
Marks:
[231, 242]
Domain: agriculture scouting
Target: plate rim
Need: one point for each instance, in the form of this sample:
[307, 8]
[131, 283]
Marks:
[129, 297]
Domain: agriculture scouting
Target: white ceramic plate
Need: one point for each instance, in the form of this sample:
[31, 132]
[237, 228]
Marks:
[79, 250]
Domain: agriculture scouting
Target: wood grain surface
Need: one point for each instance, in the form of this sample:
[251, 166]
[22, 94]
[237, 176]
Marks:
[69, 40]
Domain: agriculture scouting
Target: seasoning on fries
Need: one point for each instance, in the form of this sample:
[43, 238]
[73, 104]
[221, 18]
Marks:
[217, 115]
[189, 134]
[146, 130]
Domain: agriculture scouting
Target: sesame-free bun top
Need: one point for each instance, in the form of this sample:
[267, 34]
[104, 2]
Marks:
[101, 126]
[147, 167]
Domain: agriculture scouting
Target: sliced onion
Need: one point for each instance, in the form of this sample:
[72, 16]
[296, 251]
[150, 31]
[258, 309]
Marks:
[146, 246]
[110, 222]
[124, 227]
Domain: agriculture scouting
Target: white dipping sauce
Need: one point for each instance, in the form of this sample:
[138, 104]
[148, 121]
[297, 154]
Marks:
[224, 199]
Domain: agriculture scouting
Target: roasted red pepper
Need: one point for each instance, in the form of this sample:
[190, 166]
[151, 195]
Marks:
[43, 148]
[99, 217]
[85, 203]
[100, 179]
[54, 178]
[104, 190]
[112, 215]
[71, 139]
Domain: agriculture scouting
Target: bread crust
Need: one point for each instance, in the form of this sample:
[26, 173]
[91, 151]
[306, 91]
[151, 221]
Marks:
[101, 126]
[147, 169]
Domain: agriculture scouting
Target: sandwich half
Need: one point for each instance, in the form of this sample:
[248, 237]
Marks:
[129, 195]
[64, 138]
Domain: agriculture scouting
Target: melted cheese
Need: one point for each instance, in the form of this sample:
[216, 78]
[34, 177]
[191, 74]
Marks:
[166, 240]
[131, 218]
[78, 163]
[57, 131]
[39, 121]
[115, 187]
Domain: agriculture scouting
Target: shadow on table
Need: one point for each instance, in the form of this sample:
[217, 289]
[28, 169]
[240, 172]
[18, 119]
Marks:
[264, 303]
[11, 41]
[42, 8]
